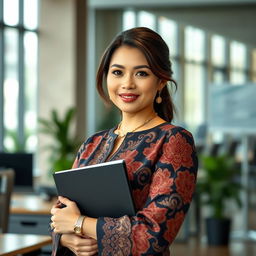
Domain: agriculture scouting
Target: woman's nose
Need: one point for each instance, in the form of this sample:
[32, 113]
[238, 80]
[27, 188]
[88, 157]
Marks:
[128, 82]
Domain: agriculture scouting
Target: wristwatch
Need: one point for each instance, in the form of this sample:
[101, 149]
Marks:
[79, 224]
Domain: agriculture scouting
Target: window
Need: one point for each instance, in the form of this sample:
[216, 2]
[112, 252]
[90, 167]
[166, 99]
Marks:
[254, 65]
[194, 44]
[218, 59]
[194, 77]
[18, 69]
[237, 63]
[146, 19]
[129, 19]
[11, 12]
[168, 30]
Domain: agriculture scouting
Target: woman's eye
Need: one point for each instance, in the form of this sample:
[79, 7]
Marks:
[142, 73]
[117, 72]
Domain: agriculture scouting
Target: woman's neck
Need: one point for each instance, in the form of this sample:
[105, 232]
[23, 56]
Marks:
[130, 120]
[132, 123]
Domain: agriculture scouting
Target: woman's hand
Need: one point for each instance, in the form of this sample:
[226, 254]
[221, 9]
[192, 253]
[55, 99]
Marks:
[80, 246]
[64, 219]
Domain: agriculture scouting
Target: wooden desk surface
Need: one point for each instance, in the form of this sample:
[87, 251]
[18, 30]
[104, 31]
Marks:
[14, 244]
[30, 204]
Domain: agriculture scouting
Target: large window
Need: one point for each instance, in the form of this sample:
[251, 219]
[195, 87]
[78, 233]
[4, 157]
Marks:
[146, 19]
[18, 74]
[129, 19]
[218, 59]
[238, 72]
[194, 77]
[168, 29]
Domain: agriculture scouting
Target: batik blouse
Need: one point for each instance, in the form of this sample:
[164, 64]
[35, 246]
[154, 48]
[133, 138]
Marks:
[162, 167]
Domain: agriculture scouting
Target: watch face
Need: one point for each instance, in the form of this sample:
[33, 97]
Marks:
[77, 230]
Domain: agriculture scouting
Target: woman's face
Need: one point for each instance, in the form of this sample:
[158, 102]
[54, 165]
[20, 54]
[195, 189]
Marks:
[131, 84]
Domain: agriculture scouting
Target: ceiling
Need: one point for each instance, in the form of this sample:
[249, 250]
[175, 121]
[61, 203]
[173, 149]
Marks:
[235, 19]
[163, 3]
[235, 22]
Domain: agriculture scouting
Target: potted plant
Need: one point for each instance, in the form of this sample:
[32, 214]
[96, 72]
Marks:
[64, 144]
[217, 183]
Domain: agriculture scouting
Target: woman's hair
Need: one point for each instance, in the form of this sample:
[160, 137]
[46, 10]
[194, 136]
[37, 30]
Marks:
[156, 52]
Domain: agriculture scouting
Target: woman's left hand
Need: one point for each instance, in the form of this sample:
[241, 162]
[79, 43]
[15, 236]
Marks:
[64, 219]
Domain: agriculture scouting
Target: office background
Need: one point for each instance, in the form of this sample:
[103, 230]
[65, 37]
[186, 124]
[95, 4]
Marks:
[50, 49]
[50, 52]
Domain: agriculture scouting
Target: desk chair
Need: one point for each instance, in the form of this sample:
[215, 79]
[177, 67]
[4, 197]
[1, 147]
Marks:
[6, 187]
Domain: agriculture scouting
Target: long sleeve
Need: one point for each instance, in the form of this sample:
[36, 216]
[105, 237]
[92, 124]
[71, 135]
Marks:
[162, 194]
[84, 152]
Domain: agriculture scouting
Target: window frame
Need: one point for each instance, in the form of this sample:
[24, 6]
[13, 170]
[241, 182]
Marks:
[21, 30]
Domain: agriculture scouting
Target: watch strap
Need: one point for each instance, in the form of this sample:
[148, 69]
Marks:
[79, 224]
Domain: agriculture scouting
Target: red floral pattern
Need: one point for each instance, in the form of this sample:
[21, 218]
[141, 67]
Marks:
[178, 152]
[132, 168]
[161, 165]
[161, 183]
[90, 147]
[185, 184]
[173, 226]
[167, 127]
[131, 165]
[140, 197]
[141, 240]
[151, 152]
[128, 155]
[156, 213]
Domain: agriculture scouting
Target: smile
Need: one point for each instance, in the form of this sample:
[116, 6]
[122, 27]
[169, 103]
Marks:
[128, 97]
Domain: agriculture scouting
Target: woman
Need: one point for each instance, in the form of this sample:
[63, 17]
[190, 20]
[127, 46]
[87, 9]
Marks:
[160, 157]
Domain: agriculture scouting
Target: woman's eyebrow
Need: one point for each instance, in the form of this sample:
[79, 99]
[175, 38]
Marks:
[117, 65]
[141, 66]
[136, 67]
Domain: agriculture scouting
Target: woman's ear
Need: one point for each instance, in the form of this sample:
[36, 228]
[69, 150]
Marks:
[162, 84]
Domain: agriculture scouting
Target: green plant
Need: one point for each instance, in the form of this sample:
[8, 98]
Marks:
[218, 183]
[64, 144]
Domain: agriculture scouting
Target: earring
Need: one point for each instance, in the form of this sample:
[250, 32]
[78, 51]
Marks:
[159, 98]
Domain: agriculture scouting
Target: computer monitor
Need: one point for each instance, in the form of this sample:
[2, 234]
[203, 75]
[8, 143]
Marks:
[22, 164]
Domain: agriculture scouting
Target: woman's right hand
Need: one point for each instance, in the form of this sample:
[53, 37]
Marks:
[80, 246]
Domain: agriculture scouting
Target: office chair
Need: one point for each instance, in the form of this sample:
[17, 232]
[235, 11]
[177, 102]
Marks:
[6, 187]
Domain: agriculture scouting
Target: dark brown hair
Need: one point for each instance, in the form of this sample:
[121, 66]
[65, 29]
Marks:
[156, 52]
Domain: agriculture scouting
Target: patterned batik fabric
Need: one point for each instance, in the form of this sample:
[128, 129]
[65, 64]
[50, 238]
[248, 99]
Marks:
[162, 167]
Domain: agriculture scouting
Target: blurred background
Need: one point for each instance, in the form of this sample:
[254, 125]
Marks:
[49, 53]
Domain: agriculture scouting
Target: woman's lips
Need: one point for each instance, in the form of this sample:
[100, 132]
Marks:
[128, 97]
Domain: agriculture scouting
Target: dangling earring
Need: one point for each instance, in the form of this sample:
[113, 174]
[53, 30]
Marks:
[159, 98]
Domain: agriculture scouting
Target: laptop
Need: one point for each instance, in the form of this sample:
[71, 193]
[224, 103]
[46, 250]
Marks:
[100, 190]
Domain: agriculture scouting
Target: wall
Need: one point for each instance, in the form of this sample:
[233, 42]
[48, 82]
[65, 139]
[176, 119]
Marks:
[56, 64]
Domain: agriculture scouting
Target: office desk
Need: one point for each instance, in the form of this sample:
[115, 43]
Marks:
[14, 244]
[30, 214]
[30, 204]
